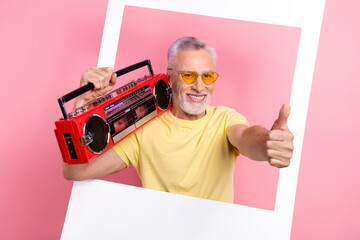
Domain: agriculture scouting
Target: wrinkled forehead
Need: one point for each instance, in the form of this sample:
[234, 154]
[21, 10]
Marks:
[193, 60]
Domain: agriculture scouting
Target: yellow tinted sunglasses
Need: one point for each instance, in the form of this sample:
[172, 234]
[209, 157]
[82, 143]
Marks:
[190, 77]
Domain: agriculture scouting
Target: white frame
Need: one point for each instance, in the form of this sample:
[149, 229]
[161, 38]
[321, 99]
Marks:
[104, 210]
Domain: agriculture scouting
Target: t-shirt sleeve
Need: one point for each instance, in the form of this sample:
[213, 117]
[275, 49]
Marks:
[128, 150]
[234, 118]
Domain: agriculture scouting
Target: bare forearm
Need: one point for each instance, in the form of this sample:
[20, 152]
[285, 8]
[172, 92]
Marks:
[250, 141]
[75, 172]
[105, 164]
[253, 143]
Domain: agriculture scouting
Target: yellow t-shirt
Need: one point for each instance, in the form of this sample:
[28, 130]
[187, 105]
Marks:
[186, 157]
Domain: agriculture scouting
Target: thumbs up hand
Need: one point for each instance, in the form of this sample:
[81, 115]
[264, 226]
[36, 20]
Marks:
[280, 142]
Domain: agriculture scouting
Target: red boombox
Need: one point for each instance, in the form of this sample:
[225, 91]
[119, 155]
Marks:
[95, 127]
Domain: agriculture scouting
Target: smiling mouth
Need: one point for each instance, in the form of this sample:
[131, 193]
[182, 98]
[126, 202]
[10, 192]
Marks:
[196, 98]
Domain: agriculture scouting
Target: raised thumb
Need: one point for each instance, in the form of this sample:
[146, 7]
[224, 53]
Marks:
[281, 121]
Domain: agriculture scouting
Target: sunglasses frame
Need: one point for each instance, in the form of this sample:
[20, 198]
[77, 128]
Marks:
[197, 75]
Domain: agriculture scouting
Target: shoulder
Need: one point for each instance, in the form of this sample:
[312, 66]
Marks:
[221, 110]
[229, 115]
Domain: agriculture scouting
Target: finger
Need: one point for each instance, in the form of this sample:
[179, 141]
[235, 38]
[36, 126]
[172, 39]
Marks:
[106, 77]
[86, 75]
[98, 79]
[280, 145]
[106, 71]
[110, 75]
[91, 77]
[101, 92]
[84, 79]
[110, 70]
[281, 121]
[278, 163]
[106, 90]
[280, 155]
[281, 135]
[113, 79]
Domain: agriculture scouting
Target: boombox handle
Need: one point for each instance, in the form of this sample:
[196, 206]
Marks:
[90, 86]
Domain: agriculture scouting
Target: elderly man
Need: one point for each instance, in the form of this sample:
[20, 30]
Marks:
[192, 148]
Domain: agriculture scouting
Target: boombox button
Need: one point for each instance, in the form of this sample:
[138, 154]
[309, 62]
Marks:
[79, 110]
[85, 107]
[100, 100]
[71, 114]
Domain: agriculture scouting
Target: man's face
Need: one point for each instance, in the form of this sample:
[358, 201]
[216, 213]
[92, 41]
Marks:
[191, 100]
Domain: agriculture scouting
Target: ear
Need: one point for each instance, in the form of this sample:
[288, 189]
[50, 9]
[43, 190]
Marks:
[168, 75]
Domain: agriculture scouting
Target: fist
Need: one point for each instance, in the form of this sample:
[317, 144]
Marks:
[279, 146]
[103, 79]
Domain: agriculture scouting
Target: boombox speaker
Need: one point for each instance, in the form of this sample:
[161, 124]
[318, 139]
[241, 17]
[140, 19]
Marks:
[92, 129]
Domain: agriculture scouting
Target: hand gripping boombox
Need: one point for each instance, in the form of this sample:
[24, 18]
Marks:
[95, 127]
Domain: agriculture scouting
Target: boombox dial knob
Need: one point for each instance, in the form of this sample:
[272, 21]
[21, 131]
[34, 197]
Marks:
[87, 139]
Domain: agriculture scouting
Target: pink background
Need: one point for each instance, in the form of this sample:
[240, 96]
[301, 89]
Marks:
[45, 46]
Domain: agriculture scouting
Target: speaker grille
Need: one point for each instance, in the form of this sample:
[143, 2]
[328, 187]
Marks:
[97, 127]
[162, 95]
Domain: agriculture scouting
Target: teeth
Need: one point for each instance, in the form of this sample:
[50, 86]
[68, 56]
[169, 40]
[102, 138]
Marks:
[197, 97]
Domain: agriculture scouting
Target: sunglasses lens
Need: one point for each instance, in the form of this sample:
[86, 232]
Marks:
[189, 76]
[209, 77]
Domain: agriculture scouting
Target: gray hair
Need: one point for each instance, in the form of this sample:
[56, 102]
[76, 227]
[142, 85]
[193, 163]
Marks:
[186, 43]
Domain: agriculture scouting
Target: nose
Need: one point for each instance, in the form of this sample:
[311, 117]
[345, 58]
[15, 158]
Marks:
[198, 85]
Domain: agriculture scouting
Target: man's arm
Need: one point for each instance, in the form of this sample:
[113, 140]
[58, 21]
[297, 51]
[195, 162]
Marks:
[258, 143]
[107, 163]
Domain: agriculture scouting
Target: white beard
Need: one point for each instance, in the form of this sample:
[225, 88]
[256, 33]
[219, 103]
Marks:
[191, 108]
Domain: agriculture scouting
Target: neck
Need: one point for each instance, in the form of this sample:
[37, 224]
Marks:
[186, 116]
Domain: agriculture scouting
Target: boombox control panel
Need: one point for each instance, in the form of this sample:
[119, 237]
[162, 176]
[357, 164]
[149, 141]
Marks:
[95, 127]
[107, 97]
